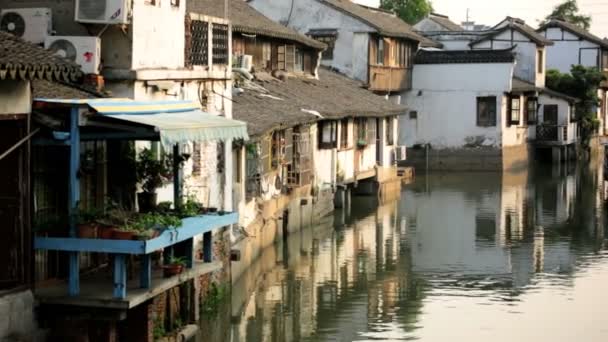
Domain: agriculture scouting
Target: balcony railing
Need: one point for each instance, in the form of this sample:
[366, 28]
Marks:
[556, 134]
[389, 78]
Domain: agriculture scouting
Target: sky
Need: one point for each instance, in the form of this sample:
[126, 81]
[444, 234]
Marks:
[490, 12]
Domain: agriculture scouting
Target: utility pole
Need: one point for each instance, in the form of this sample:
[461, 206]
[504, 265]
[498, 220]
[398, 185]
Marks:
[467, 16]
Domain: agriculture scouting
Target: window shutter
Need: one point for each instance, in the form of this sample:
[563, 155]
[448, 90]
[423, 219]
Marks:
[265, 154]
[371, 131]
[289, 145]
[281, 57]
[290, 57]
[305, 156]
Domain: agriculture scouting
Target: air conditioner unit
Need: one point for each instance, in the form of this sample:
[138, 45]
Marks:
[102, 11]
[84, 51]
[245, 62]
[31, 24]
[400, 153]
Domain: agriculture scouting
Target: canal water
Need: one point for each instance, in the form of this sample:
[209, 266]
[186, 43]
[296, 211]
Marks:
[453, 257]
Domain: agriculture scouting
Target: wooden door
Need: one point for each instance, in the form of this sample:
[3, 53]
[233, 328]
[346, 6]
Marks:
[15, 241]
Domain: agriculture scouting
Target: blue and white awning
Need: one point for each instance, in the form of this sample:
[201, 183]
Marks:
[176, 122]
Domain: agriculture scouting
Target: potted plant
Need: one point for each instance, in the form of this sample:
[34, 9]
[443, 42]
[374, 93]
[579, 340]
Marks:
[86, 224]
[361, 143]
[152, 173]
[126, 232]
[174, 267]
[111, 221]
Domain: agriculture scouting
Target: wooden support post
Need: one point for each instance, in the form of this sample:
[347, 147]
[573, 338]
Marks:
[145, 277]
[120, 276]
[177, 177]
[208, 247]
[185, 249]
[74, 274]
[74, 183]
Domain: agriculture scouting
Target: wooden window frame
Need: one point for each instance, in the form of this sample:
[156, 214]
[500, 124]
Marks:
[604, 59]
[390, 131]
[380, 47]
[514, 110]
[531, 111]
[486, 101]
[277, 149]
[546, 109]
[344, 134]
[330, 41]
[332, 142]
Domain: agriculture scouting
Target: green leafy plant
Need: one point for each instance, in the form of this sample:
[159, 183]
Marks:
[181, 261]
[213, 299]
[581, 83]
[191, 208]
[88, 215]
[159, 329]
[152, 172]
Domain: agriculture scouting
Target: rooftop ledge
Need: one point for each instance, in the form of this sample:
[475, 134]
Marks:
[221, 72]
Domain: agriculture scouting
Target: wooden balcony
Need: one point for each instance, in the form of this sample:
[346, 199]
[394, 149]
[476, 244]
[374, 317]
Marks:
[556, 135]
[389, 78]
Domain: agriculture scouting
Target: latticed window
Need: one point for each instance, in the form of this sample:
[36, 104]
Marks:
[199, 53]
[220, 44]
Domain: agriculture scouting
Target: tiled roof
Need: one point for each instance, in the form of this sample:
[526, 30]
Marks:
[576, 31]
[445, 22]
[274, 104]
[464, 56]
[56, 90]
[519, 26]
[22, 60]
[387, 23]
[521, 86]
[246, 19]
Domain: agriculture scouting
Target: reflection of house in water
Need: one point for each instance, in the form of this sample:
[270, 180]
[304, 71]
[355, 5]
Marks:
[326, 282]
[500, 227]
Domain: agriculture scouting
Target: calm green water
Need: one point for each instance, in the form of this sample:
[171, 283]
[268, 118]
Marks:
[459, 257]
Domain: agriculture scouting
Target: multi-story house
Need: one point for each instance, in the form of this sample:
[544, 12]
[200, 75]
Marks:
[573, 45]
[368, 44]
[21, 64]
[524, 116]
[316, 134]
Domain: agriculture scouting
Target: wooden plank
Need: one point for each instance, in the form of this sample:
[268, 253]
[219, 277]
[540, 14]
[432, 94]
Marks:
[191, 227]
[120, 276]
[145, 274]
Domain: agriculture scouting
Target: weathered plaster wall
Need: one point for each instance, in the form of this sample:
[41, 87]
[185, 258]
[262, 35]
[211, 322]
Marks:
[15, 97]
[350, 53]
[526, 52]
[158, 34]
[445, 99]
[569, 50]
[17, 317]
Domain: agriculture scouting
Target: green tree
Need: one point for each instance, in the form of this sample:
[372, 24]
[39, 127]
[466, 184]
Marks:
[569, 11]
[411, 11]
[581, 83]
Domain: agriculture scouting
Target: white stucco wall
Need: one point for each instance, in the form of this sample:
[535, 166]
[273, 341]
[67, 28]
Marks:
[569, 50]
[158, 34]
[349, 53]
[445, 97]
[526, 55]
[15, 97]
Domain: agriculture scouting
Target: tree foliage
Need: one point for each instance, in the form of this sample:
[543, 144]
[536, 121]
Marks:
[581, 83]
[568, 11]
[410, 11]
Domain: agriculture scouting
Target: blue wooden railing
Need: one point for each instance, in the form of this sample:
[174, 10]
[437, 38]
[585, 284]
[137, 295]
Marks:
[120, 249]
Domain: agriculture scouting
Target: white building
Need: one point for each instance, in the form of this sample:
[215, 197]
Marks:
[573, 45]
[473, 114]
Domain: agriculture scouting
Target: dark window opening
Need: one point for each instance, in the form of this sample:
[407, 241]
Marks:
[328, 134]
[330, 41]
[390, 131]
[486, 111]
[199, 50]
[344, 134]
[380, 54]
[541, 61]
[220, 44]
[531, 111]
[550, 115]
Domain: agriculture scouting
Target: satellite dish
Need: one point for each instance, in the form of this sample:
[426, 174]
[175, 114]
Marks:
[64, 48]
[13, 23]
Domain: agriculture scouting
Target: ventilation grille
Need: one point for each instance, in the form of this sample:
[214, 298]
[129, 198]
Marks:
[92, 9]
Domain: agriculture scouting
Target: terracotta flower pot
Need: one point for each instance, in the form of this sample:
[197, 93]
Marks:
[105, 232]
[87, 231]
[122, 235]
[172, 270]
